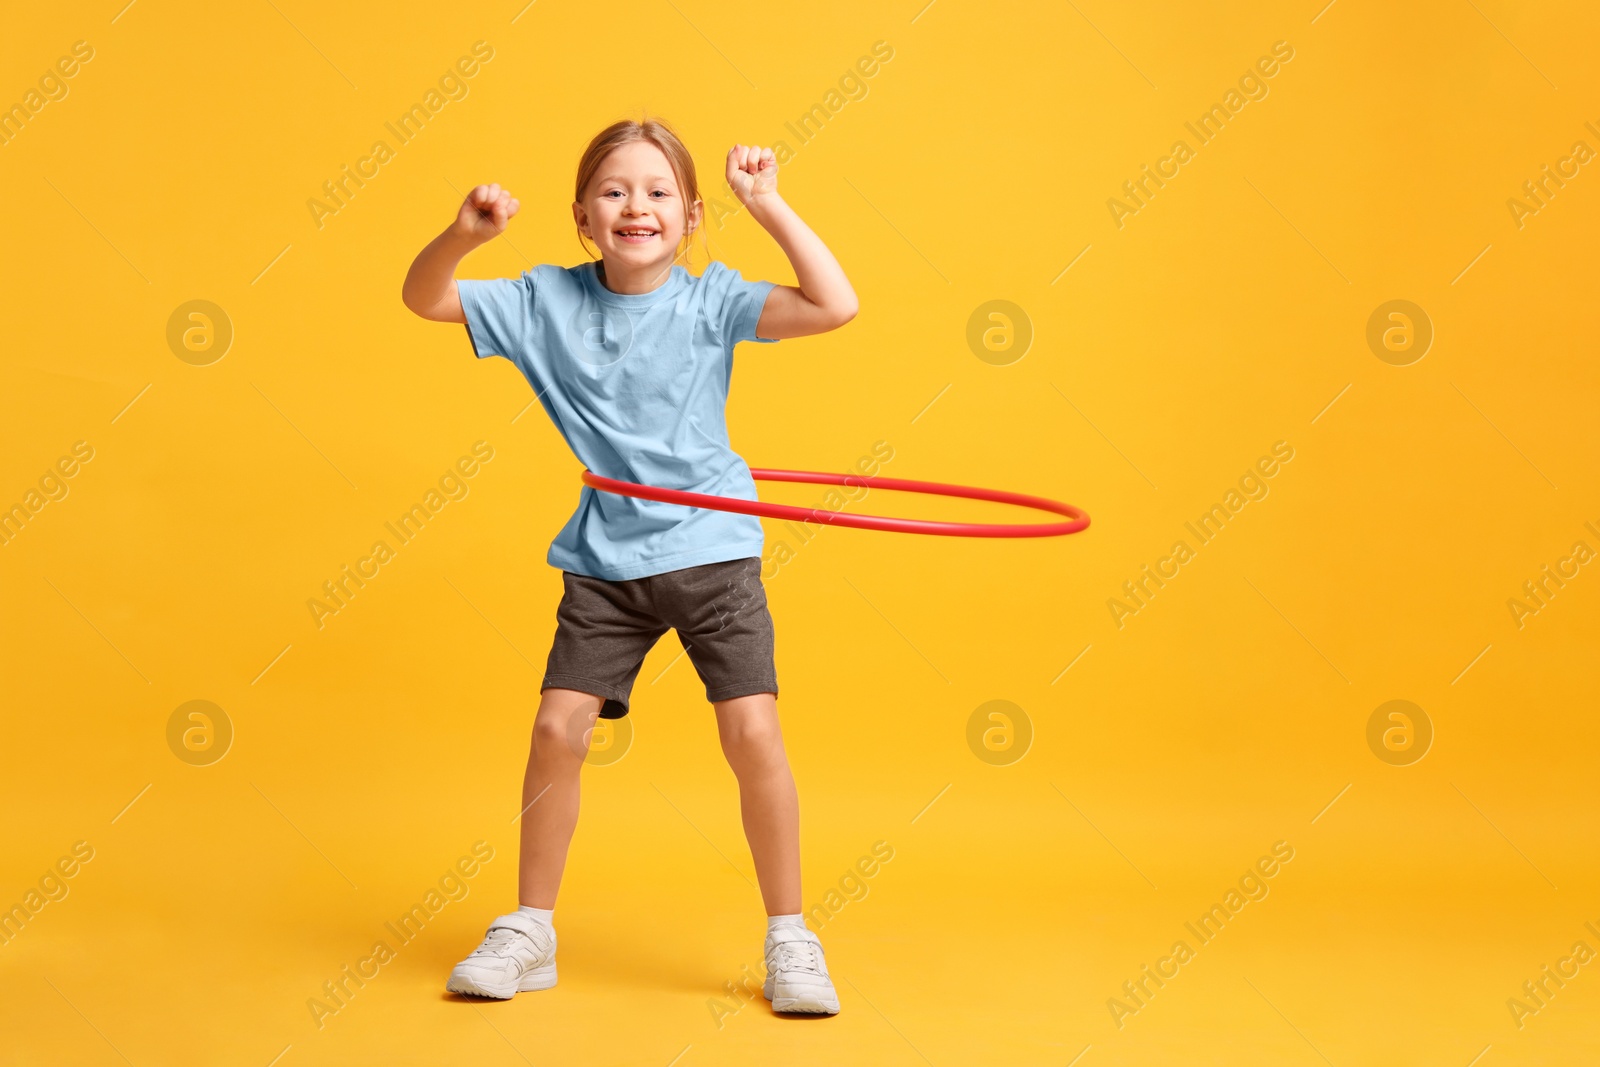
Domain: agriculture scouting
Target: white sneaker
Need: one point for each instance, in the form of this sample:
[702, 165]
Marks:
[518, 954]
[797, 973]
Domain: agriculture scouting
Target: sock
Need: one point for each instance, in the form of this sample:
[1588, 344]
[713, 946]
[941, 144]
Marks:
[797, 919]
[539, 915]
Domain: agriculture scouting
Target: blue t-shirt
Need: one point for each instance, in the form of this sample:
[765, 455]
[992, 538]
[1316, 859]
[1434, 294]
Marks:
[637, 385]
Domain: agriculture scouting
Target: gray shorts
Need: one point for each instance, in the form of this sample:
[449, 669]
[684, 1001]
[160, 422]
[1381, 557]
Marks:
[604, 629]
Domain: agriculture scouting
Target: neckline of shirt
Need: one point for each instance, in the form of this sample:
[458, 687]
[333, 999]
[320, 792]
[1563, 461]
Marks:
[591, 280]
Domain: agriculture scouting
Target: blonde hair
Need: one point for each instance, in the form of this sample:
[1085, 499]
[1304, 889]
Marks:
[658, 133]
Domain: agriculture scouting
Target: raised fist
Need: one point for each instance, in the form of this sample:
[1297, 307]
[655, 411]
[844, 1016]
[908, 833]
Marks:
[752, 172]
[486, 213]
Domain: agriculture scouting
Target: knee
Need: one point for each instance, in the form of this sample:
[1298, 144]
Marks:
[753, 746]
[558, 732]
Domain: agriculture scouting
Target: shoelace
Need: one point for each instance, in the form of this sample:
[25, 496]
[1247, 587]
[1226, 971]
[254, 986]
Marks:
[798, 956]
[501, 940]
[498, 942]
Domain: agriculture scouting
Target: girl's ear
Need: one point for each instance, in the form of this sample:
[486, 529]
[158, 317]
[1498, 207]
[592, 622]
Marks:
[691, 224]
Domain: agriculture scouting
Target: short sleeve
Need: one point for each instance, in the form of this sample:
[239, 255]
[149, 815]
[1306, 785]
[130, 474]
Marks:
[735, 304]
[499, 313]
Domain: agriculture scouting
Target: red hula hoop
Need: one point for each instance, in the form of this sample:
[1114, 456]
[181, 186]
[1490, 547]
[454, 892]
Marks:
[1080, 520]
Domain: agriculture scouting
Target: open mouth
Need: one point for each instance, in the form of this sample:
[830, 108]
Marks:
[637, 235]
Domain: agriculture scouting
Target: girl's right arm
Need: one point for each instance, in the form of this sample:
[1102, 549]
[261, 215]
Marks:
[430, 285]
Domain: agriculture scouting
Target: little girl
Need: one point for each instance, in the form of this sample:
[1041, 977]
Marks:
[630, 357]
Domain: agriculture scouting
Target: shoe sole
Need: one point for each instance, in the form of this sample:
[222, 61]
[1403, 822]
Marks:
[810, 1005]
[538, 978]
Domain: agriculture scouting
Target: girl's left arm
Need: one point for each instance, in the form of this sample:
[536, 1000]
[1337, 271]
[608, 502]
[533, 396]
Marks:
[823, 300]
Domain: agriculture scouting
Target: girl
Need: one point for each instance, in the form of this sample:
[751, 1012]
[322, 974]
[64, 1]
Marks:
[630, 357]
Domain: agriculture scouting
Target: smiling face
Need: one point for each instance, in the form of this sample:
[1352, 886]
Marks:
[634, 210]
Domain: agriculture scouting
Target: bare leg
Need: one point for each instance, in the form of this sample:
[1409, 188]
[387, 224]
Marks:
[561, 731]
[753, 743]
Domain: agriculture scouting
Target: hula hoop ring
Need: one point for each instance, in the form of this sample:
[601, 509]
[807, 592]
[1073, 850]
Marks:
[1079, 519]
